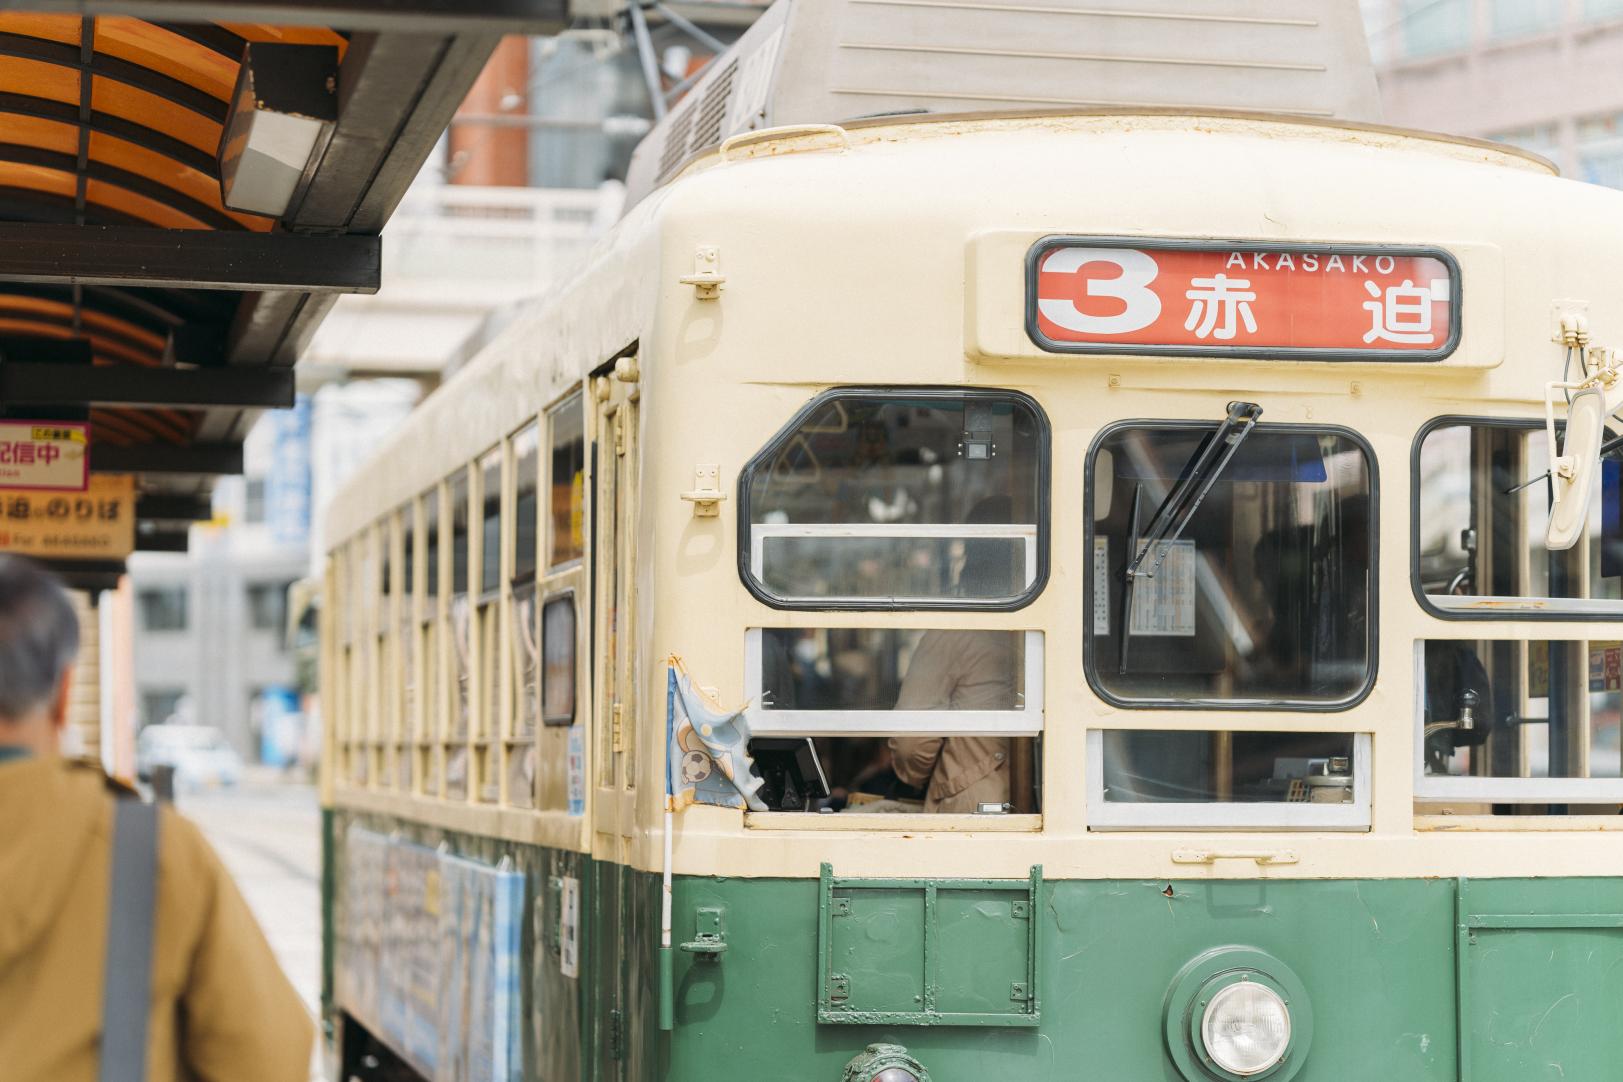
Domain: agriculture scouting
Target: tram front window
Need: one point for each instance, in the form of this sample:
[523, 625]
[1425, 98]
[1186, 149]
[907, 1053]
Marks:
[1264, 595]
[1481, 525]
[900, 500]
[1512, 722]
[904, 719]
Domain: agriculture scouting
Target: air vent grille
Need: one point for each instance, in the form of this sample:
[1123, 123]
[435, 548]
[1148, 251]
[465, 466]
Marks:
[675, 151]
[713, 110]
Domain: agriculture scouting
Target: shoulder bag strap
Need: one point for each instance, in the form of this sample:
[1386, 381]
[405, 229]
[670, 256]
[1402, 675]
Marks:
[127, 984]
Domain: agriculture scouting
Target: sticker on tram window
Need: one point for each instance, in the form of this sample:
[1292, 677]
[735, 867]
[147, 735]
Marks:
[1202, 298]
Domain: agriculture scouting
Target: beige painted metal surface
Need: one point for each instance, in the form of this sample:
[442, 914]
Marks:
[821, 61]
[863, 266]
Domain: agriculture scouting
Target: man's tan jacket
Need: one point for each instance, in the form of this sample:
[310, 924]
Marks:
[222, 1010]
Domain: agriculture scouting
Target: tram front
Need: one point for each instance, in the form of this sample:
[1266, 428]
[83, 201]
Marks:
[1160, 660]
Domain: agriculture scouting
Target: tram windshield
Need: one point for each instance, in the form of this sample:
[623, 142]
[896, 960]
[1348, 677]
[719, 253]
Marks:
[1264, 598]
[923, 499]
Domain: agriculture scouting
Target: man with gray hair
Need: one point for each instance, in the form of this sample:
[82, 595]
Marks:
[216, 1005]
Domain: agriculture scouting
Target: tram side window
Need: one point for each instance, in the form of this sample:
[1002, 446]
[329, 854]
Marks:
[1262, 593]
[456, 757]
[525, 647]
[431, 757]
[1516, 725]
[568, 496]
[406, 650]
[1481, 525]
[898, 720]
[916, 498]
[487, 723]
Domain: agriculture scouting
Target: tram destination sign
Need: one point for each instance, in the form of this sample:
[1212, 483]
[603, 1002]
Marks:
[1242, 299]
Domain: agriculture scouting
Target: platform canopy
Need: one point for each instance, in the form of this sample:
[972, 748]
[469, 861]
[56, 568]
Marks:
[131, 295]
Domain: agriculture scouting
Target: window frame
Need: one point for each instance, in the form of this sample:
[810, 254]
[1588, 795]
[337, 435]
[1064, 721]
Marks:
[1089, 530]
[1507, 609]
[544, 598]
[1109, 816]
[1435, 789]
[1029, 721]
[786, 434]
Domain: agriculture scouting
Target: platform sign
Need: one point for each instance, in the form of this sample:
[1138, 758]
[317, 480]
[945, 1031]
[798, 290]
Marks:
[1200, 298]
[45, 455]
[95, 524]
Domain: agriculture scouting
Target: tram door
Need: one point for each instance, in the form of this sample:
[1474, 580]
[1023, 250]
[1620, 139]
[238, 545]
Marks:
[615, 714]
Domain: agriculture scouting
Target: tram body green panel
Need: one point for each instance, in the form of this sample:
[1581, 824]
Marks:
[1529, 971]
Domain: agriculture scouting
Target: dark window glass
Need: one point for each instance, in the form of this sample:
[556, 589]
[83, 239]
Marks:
[526, 509]
[158, 705]
[558, 660]
[568, 473]
[901, 500]
[267, 606]
[459, 534]
[431, 549]
[1159, 767]
[1266, 594]
[490, 563]
[164, 608]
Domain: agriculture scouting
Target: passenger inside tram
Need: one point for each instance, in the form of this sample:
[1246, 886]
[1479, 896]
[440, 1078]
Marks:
[907, 502]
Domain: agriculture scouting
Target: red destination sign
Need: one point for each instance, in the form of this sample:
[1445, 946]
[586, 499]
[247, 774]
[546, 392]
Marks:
[1109, 295]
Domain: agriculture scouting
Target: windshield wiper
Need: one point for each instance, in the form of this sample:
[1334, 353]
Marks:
[1194, 483]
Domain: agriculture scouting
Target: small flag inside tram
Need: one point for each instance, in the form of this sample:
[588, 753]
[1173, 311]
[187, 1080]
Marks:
[707, 758]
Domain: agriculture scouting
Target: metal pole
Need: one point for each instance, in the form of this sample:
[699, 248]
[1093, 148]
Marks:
[645, 54]
[692, 29]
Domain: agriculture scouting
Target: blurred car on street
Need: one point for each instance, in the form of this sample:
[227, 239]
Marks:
[199, 755]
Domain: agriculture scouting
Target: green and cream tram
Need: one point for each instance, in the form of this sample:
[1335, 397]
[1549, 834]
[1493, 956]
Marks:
[1163, 636]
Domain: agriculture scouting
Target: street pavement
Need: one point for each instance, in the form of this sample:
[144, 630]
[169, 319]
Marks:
[268, 833]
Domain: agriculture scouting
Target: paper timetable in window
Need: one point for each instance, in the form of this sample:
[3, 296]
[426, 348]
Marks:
[1165, 604]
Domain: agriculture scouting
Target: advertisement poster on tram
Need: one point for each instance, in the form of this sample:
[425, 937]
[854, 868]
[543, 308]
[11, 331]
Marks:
[1106, 295]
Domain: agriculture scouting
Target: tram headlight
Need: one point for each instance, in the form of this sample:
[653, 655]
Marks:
[895, 1074]
[1246, 1028]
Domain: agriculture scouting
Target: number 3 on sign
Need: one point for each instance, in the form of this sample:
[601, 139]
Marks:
[1131, 287]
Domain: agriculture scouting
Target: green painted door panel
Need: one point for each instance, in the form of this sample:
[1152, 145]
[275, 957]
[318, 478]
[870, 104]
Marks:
[1540, 980]
[876, 957]
[983, 966]
[1544, 1006]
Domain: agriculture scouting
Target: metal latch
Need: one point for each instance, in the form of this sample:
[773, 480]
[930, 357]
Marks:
[706, 278]
[839, 988]
[706, 494]
[617, 715]
[1212, 856]
[710, 940]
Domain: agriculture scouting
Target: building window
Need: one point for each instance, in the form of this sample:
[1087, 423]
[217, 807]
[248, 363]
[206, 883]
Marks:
[159, 705]
[900, 499]
[163, 608]
[1515, 18]
[267, 606]
[253, 506]
[1600, 150]
[1259, 590]
[1434, 26]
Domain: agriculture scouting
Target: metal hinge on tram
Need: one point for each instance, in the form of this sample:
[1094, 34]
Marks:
[616, 726]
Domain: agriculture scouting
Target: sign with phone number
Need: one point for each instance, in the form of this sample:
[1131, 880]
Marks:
[1172, 297]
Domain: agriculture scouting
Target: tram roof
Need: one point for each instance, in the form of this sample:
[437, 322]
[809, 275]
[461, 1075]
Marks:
[130, 295]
